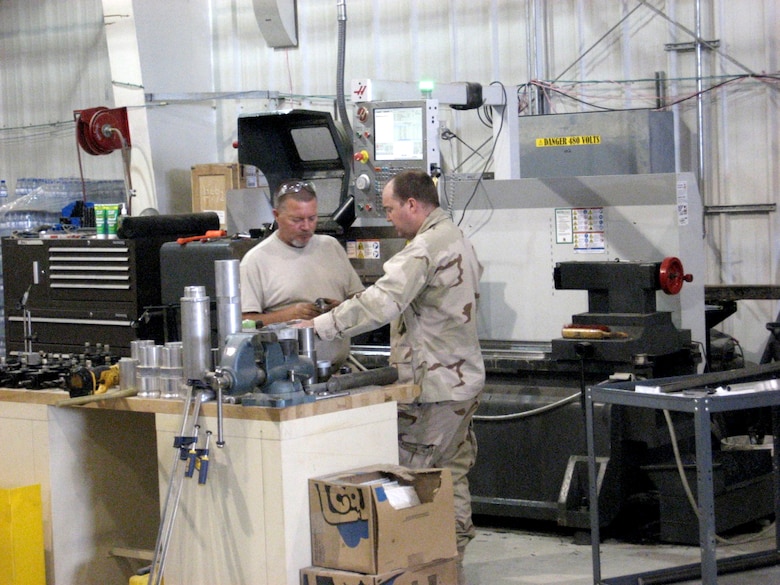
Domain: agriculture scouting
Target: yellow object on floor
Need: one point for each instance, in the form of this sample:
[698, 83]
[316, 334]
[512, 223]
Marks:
[22, 560]
[142, 580]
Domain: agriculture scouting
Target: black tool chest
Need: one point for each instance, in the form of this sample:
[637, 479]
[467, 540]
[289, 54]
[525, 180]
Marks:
[81, 291]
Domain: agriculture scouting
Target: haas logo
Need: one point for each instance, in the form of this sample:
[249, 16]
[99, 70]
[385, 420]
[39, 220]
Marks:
[360, 90]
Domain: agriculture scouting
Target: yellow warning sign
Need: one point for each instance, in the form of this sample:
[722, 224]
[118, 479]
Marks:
[569, 141]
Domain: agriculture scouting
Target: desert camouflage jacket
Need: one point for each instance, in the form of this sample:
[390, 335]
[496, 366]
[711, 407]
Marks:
[429, 296]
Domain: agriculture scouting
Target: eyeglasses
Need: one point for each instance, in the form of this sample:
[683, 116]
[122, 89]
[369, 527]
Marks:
[289, 187]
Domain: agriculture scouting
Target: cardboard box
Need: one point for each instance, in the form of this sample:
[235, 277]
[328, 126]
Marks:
[355, 527]
[443, 572]
[210, 183]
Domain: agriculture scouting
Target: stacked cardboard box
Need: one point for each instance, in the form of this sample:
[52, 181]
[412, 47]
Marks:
[382, 524]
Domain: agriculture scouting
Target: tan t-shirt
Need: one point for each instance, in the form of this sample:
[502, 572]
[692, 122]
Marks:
[275, 275]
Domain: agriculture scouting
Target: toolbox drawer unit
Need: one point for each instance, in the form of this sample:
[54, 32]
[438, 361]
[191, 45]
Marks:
[81, 290]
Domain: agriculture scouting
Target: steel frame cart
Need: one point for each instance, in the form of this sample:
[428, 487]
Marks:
[702, 405]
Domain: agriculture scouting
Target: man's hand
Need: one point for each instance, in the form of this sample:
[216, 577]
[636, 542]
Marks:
[329, 304]
[300, 311]
[295, 312]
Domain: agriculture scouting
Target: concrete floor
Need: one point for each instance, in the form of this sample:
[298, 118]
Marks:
[518, 555]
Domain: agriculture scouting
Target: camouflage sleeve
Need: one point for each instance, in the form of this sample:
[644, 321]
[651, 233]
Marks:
[405, 276]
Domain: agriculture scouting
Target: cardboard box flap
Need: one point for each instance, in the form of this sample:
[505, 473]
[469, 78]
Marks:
[358, 525]
[425, 482]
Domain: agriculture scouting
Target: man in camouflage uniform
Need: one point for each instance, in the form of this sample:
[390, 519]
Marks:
[429, 295]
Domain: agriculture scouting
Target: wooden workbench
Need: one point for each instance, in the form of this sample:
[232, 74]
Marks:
[104, 470]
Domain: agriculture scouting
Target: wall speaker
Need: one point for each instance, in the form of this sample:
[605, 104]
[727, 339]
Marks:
[278, 22]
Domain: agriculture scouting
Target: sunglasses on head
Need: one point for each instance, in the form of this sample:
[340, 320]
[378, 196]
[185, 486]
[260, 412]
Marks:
[296, 187]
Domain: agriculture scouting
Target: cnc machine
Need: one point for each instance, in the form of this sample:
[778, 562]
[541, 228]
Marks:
[588, 277]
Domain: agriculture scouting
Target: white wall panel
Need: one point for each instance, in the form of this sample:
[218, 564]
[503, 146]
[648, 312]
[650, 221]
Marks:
[53, 60]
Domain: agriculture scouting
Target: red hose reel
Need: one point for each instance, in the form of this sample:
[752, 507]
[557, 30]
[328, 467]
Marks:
[102, 130]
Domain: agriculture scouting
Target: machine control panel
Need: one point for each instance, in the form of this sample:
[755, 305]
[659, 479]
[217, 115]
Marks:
[391, 137]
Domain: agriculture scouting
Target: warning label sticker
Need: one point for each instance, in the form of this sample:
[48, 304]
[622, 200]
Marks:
[569, 141]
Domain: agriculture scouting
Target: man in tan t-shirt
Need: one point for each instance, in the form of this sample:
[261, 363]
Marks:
[284, 274]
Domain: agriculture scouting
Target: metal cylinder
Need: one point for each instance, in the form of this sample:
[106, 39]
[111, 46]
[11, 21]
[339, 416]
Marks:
[306, 339]
[171, 370]
[127, 374]
[323, 370]
[148, 380]
[151, 355]
[228, 290]
[136, 348]
[195, 332]
[306, 348]
[172, 355]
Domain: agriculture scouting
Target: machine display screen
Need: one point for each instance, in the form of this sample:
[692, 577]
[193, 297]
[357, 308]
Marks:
[398, 133]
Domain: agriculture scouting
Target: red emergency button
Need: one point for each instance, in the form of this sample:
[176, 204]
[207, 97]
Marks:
[361, 156]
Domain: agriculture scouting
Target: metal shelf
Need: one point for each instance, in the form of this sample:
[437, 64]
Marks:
[701, 404]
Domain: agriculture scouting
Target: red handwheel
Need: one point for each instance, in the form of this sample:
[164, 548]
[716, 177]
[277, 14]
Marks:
[671, 275]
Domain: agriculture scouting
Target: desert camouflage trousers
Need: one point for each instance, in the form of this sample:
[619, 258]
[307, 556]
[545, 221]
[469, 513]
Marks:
[440, 434]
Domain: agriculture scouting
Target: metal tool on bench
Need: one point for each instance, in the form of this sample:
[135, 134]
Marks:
[264, 368]
[196, 327]
[87, 385]
[341, 384]
[184, 442]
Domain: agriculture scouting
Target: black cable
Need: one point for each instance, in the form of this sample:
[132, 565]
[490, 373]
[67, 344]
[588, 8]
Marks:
[551, 88]
[475, 152]
[488, 122]
[492, 151]
[448, 135]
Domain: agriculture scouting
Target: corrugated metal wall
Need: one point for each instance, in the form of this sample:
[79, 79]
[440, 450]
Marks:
[53, 60]
[583, 55]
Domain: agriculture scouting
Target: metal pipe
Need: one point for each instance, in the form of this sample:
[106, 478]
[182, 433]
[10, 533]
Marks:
[196, 332]
[660, 90]
[202, 395]
[228, 289]
[700, 101]
[171, 498]
[220, 420]
[341, 6]
[529, 41]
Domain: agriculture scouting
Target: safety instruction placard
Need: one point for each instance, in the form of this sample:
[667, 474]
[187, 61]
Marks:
[564, 226]
[364, 249]
[589, 230]
[682, 203]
